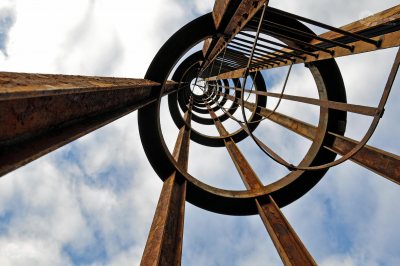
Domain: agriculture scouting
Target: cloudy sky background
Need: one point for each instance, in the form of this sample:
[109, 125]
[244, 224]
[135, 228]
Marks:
[92, 201]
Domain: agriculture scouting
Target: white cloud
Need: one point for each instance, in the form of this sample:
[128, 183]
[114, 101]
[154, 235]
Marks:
[89, 37]
[27, 251]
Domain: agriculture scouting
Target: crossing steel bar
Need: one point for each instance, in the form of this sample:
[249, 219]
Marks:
[354, 108]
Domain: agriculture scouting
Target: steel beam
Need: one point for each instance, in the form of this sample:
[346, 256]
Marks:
[164, 243]
[289, 246]
[40, 113]
[381, 162]
[353, 108]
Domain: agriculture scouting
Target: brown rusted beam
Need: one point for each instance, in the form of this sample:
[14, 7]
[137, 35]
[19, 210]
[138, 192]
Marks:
[354, 108]
[30, 85]
[206, 45]
[389, 15]
[289, 246]
[381, 162]
[219, 11]
[40, 113]
[164, 243]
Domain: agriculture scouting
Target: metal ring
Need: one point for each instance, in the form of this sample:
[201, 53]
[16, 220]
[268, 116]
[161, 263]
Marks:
[284, 191]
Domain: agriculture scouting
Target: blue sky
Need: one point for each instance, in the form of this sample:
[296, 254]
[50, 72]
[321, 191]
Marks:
[92, 201]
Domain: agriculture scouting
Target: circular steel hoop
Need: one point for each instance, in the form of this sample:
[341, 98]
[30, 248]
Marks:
[284, 191]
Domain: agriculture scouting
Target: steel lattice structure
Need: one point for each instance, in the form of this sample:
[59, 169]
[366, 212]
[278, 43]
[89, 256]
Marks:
[39, 113]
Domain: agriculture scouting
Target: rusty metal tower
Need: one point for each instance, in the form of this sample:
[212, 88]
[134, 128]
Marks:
[40, 113]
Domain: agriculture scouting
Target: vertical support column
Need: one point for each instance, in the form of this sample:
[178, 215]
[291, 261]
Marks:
[289, 246]
[164, 243]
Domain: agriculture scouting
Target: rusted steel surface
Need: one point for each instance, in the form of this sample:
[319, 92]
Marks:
[207, 43]
[164, 243]
[28, 85]
[289, 246]
[40, 113]
[243, 13]
[236, 14]
[381, 162]
[219, 10]
[181, 149]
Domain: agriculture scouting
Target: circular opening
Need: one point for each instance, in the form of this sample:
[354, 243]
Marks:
[198, 86]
